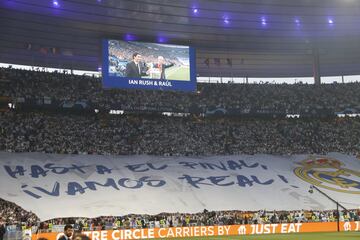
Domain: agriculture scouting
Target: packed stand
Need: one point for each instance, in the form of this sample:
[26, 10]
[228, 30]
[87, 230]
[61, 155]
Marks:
[180, 136]
[21, 84]
[205, 218]
[12, 214]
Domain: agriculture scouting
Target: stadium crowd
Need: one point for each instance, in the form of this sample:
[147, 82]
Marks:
[38, 131]
[12, 214]
[161, 135]
[125, 50]
[21, 84]
[206, 218]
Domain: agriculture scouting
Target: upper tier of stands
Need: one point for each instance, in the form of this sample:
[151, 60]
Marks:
[232, 98]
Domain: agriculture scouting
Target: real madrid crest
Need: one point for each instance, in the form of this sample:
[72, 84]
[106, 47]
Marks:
[328, 173]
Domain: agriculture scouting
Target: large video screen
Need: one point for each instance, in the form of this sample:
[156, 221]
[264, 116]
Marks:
[141, 65]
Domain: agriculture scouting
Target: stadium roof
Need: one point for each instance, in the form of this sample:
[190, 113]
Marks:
[255, 38]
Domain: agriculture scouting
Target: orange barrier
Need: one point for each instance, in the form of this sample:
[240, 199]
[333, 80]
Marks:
[203, 231]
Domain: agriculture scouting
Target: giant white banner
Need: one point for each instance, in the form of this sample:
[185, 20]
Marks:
[85, 185]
